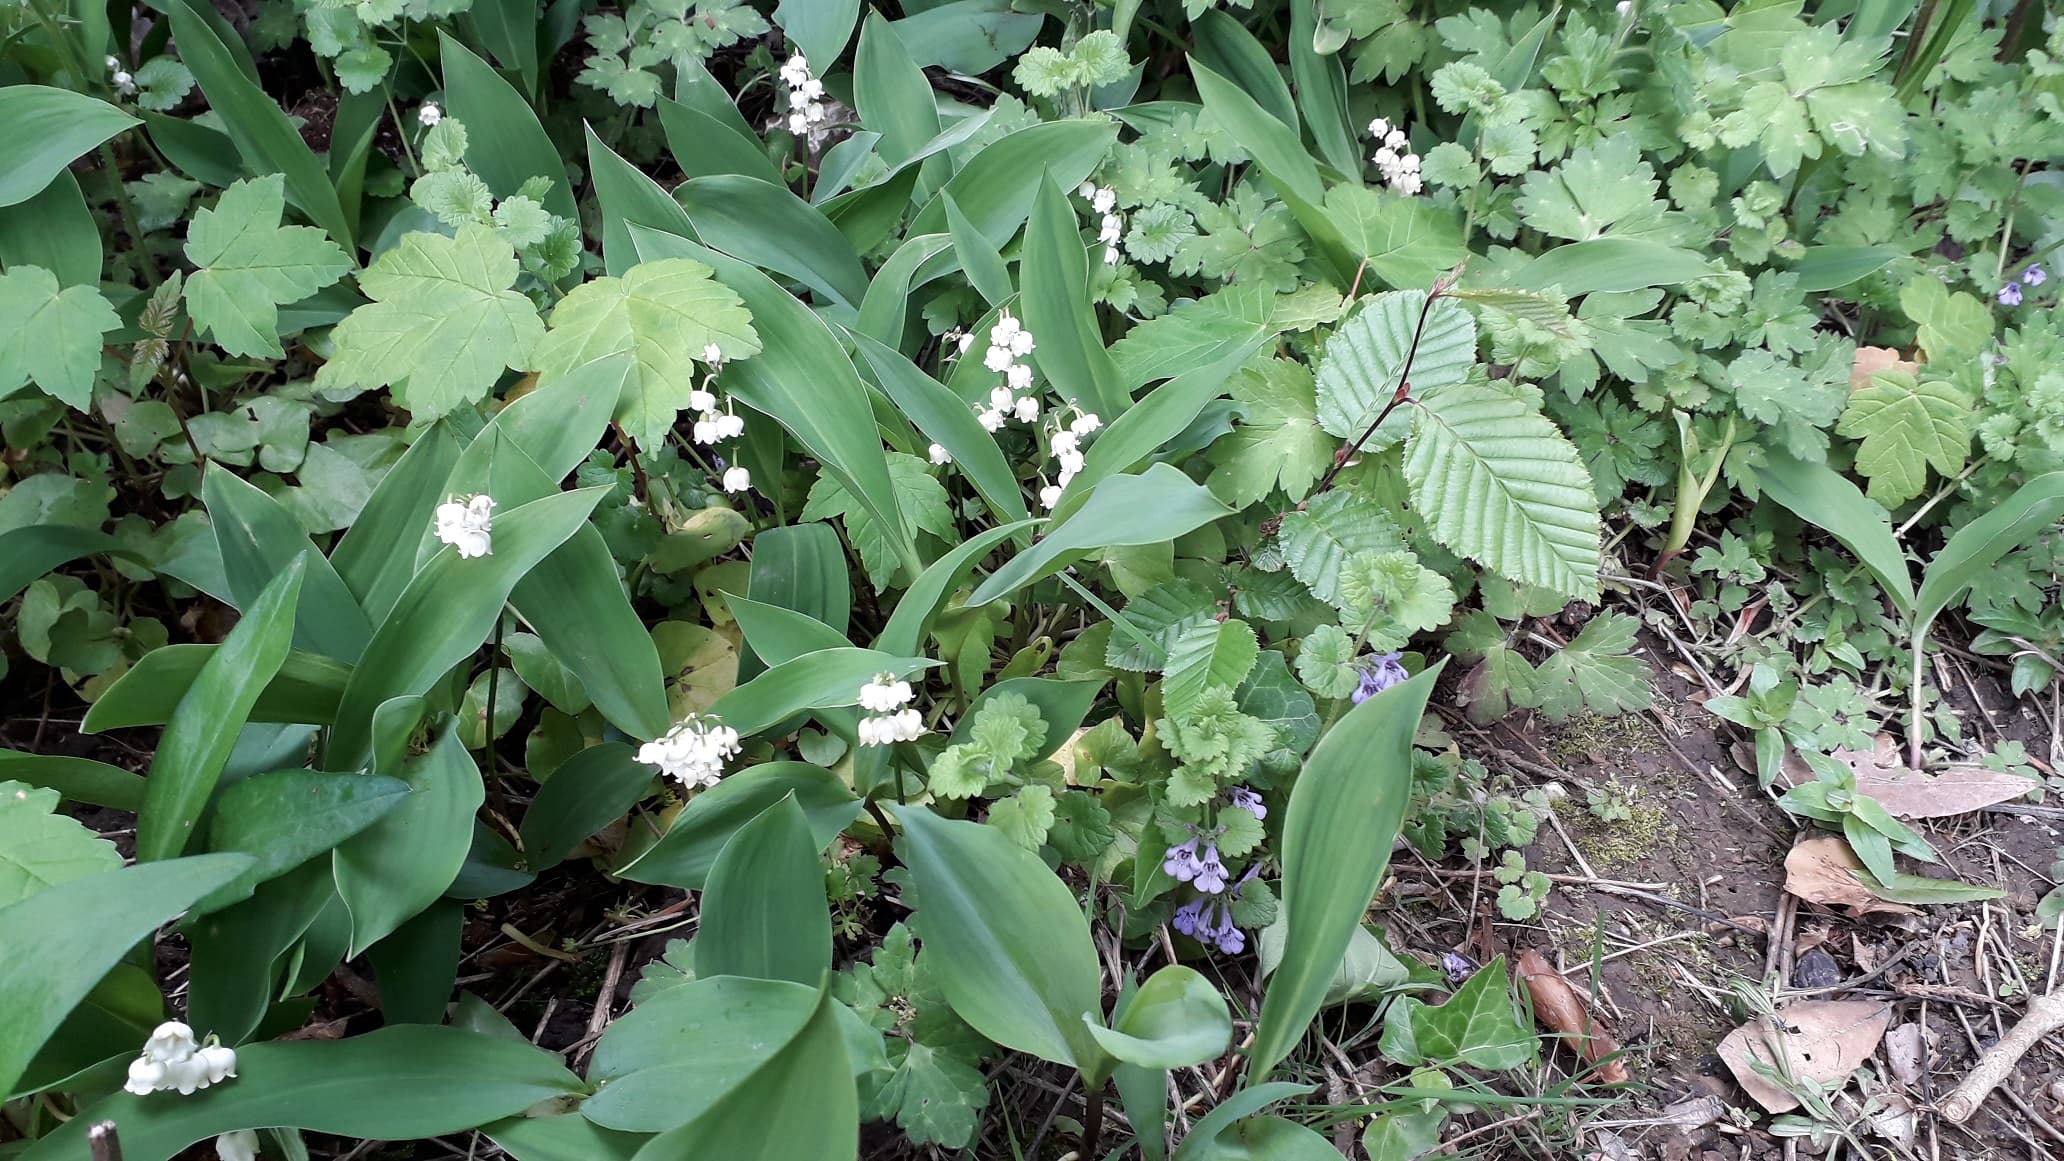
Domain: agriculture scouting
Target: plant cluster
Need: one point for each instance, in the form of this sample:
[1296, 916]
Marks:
[986, 538]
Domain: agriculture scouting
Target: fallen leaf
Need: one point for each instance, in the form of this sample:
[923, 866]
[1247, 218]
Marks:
[1871, 360]
[1894, 1117]
[1822, 1041]
[1560, 1010]
[1959, 789]
[1904, 1046]
[1694, 1112]
[1824, 870]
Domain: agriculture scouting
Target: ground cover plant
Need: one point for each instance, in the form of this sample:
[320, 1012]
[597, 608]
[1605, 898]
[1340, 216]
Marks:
[1024, 579]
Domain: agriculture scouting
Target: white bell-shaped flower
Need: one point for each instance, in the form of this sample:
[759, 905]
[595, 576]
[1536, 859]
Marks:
[997, 358]
[991, 419]
[1028, 409]
[240, 1145]
[737, 479]
[1000, 397]
[700, 400]
[1085, 423]
[713, 355]
[693, 752]
[1018, 377]
[1050, 496]
[429, 115]
[466, 523]
[939, 454]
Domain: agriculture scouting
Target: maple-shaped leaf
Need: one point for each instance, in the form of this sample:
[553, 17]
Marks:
[1596, 671]
[918, 495]
[41, 848]
[1906, 425]
[1278, 439]
[665, 313]
[442, 325]
[1601, 186]
[51, 336]
[250, 265]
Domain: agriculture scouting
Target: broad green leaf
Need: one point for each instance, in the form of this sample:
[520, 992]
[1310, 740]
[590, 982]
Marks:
[1977, 546]
[694, 132]
[800, 1105]
[628, 198]
[1281, 157]
[442, 325]
[665, 313]
[1214, 653]
[761, 222]
[377, 555]
[919, 496]
[257, 538]
[804, 380]
[1596, 672]
[47, 130]
[1318, 540]
[763, 906]
[1824, 497]
[505, 144]
[1277, 441]
[904, 634]
[778, 634]
[448, 609]
[586, 793]
[33, 550]
[49, 959]
[1204, 331]
[1061, 704]
[50, 335]
[1252, 1098]
[1176, 1019]
[1476, 1027]
[56, 230]
[819, 28]
[404, 861]
[1407, 241]
[1368, 972]
[891, 92]
[1364, 362]
[1005, 940]
[984, 267]
[306, 689]
[285, 818]
[1609, 264]
[40, 848]
[266, 140]
[1600, 186]
[967, 37]
[203, 728]
[566, 1137]
[1225, 44]
[1949, 323]
[1834, 267]
[1345, 810]
[1404, 1134]
[76, 779]
[886, 309]
[1499, 483]
[684, 855]
[1907, 425]
[1147, 426]
[938, 1098]
[400, 1083]
[1157, 505]
[801, 567]
[248, 264]
[825, 679]
[992, 188]
[1265, 1139]
[1053, 272]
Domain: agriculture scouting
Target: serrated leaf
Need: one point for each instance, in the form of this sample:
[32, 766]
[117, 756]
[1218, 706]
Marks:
[1496, 482]
[1317, 541]
[1200, 332]
[1407, 241]
[920, 497]
[50, 336]
[1596, 671]
[40, 848]
[1160, 614]
[935, 1097]
[442, 325]
[1907, 425]
[1364, 361]
[250, 264]
[1025, 816]
[1602, 185]
[1278, 439]
[665, 312]
[1214, 653]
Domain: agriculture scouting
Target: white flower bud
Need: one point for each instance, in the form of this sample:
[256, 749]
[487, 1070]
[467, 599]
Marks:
[1050, 497]
[241, 1145]
[1028, 409]
[429, 115]
[737, 479]
[940, 455]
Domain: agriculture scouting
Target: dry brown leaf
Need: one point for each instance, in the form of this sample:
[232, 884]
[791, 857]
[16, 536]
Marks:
[1871, 360]
[1560, 1010]
[1822, 1041]
[1959, 789]
[1904, 1048]
[1823, 870]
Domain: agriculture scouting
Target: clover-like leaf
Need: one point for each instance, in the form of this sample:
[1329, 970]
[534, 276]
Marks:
[250, 264]
[442, 325]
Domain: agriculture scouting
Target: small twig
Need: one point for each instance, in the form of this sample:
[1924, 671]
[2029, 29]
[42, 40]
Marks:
[103, 1143]
[605, 1000]
[2045, 1015]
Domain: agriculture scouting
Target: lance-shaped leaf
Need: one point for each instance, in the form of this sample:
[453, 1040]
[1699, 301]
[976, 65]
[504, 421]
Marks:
[50, 335]
[250, 264]
[442, 325]
[763, 910]
[1156, 505]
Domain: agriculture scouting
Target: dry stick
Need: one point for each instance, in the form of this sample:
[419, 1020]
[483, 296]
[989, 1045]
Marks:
[2045, 1015]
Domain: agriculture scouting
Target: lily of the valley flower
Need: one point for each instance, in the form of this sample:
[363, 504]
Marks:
[173, 1059]
[1104, 201]
[693, 752]
[737, 479]
[713, 355]
[429, 115]
[886, 699]
[466, 523]
[805, 95]
[1395, 158]
[241, 1145]
[939, 454]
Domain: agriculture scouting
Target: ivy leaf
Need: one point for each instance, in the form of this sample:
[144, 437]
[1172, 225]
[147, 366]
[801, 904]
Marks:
[666, 312]
[41, 848]
[1906, 426]
[249, 264]
[1216, 653]
[1319, 541]
[51, 336]
[1596, 671]
[442, 325]
[1497, 482]
[1365, 359]
[918, 494]
[1475, 1027]
[1277, 440]
[1025, 816]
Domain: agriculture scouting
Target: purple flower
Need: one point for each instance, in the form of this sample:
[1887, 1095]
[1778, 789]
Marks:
[1458, 967]
[2035, 276]
[1230, 939]
[1210, 923]
[1211, 874]
[1189, 918]
[1380, 674]
[2010, 294]
[1181, 861]
[1247, 800]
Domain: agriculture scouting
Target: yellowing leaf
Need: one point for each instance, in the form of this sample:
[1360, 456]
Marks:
[249, 264]
[665, 312]
[442, 325]
[1907, 425]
